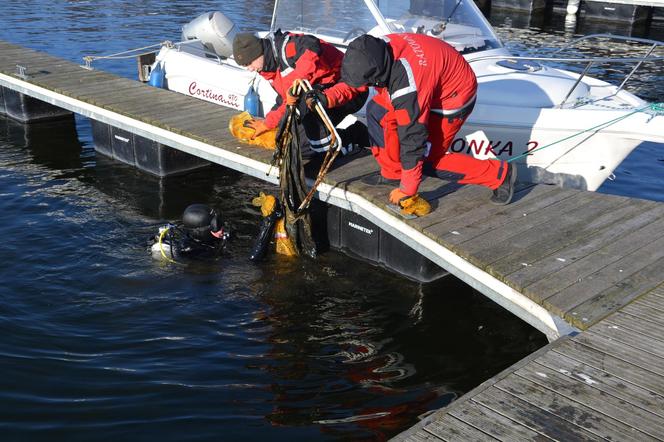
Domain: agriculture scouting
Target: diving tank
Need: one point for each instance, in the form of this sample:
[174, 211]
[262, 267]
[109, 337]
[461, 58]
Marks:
[214, 30]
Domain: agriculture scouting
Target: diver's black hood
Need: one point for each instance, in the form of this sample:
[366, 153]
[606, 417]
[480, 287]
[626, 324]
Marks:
[368, 61]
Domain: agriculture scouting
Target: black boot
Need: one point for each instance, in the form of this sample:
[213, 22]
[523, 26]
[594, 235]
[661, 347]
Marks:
[503, 194]
[376, 179]
[355, 138]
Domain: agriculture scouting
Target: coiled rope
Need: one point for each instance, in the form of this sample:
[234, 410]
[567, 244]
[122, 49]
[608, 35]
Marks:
[656, 108]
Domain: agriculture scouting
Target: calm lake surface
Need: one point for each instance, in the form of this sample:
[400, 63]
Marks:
[100, 342]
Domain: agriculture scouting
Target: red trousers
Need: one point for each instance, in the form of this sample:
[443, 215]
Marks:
[488, 173]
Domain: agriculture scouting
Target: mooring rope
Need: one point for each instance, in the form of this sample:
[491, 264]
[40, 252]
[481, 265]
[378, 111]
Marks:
[657, 108]
[121, 55]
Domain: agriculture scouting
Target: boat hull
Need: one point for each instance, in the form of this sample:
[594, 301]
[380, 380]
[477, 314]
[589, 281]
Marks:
[572, 147]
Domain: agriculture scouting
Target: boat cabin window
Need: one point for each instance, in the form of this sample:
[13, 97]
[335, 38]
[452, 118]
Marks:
[458, 22]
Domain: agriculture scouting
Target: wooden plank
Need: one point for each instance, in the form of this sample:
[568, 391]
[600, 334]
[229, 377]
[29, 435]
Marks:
[609, 417]
[542, 419]
[44, 79]
[659, 292]
[652, 329]
[494, 424]
[624, 292]
[634, 356]
[613, 365]
[452, 205]
[215, 135]
[541, 268]
[144, 95]
[478, 217]
[10, 58]
[460, 402]
[102, 92]
[555, 282]
[418, 436]
[577, 414]
[624, 337]
[461, 202]
[493, 244]
[38, 64]
[206, 128]
[594, 284]
[604, 381]
[80, 81]
[352, 171]
[93, 93]
[7, 46]
[152, 110]
[538, 243]
[651, 303]
[452, 429]
[639, 311]
[70, 83]
[187, 123]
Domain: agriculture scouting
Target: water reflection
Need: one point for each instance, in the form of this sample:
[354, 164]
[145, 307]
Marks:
[377, 339]
[102, 342]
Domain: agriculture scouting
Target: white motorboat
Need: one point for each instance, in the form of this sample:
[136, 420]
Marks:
[558, 126]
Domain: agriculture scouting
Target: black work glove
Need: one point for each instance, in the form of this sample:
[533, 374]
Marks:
[313, 96]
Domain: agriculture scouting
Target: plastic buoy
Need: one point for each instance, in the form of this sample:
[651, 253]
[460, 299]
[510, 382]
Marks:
[157, 76]
[252, 102]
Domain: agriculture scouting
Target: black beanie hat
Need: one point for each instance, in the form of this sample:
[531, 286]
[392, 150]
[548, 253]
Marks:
[367, 61]
[246, 48]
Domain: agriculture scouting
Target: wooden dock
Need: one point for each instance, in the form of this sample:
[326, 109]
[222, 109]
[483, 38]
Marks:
[606, 383]
[562, 260]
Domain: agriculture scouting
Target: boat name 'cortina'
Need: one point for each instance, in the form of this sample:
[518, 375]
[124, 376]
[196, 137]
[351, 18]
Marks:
[360, 228]
[207, 94]
[494, 147]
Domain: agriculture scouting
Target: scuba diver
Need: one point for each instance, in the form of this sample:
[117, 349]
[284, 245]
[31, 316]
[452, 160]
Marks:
[201, 236]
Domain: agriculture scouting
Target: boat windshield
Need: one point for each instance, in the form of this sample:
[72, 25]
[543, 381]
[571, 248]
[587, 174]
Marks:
[459, 22]
[339, 20]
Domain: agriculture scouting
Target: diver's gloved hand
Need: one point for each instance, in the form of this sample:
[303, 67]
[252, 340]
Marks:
[258, 125]
[313, 96]
[267, 203]
[292, 97]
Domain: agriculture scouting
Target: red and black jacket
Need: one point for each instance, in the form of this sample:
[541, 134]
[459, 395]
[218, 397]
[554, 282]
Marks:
[414, 74]
[289, 57]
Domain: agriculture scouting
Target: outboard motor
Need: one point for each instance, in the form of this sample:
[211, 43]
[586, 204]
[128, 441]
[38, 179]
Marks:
[214, 30]
[201, 236]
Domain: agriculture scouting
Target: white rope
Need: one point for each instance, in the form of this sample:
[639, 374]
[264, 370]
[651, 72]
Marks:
[120, 55]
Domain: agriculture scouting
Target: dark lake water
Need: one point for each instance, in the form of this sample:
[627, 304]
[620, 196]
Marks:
[101, 342]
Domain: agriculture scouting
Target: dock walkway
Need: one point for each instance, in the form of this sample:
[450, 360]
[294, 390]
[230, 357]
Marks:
[606, 383]
[562, 260]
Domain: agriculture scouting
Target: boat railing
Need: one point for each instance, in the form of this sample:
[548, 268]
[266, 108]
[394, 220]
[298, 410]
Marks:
[652, 45]
[192, 47]
[589, 61]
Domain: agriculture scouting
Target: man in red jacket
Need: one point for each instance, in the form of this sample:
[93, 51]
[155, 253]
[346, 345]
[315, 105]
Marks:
[285, 57]
[426, 90]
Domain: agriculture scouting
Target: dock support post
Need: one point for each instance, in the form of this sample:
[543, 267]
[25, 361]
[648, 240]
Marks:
[572, 8]
[26, 109]
[144, 154]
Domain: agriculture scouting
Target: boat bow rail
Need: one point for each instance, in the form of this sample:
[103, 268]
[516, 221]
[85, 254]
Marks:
[648, 57]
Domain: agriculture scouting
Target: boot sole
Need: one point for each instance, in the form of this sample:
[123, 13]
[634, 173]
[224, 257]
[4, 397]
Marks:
[509, 199]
